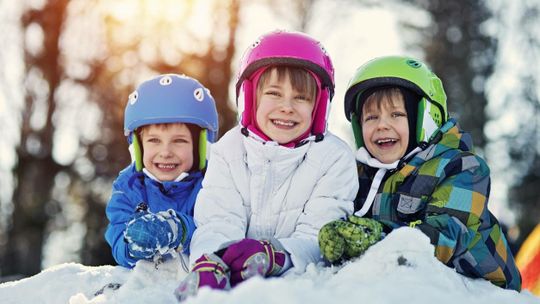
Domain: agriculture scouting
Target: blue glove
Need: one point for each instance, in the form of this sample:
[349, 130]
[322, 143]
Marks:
[150, 233]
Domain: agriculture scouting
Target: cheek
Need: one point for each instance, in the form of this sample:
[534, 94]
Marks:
[306, 111]
[366, 130]
[261, 111]
[188, 151]
[147, 150]
[147, 156]
[405, 131]
[187, 157]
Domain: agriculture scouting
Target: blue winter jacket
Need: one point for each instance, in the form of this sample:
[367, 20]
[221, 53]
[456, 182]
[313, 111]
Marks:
[132, 188]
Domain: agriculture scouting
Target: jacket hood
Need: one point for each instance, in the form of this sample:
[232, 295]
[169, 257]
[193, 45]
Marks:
[450, 137]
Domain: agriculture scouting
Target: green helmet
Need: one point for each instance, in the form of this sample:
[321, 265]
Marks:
[405, 72]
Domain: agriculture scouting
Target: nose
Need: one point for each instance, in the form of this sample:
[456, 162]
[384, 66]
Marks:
[166, 152]
[383, 123]
[286, 105]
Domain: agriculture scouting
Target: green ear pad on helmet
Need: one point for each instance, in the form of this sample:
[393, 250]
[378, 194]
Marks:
[357, 130]
[137, 153]
[429, 120]
[202, 149]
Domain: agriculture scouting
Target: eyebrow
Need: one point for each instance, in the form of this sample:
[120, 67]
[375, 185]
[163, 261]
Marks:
[275, 86]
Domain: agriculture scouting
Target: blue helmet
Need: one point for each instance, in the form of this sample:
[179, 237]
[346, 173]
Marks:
[171, 98]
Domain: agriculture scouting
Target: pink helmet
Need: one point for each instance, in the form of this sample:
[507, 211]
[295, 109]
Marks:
[292, 49]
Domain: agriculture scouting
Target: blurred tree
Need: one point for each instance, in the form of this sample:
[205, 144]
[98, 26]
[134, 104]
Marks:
[159, 47]
[517, 115]
[525, 197]
[35, 169]
[462, 54]
[83, 53]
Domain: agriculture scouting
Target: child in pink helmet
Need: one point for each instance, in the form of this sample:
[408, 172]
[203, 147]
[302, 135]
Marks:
[278, 176]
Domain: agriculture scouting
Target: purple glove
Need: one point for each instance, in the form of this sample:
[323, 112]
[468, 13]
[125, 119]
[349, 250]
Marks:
[248, 258]
[209, 270]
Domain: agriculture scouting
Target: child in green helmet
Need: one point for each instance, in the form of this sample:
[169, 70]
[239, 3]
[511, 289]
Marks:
[417, 169]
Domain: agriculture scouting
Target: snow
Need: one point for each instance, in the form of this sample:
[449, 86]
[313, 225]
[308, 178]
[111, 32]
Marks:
[399, 269]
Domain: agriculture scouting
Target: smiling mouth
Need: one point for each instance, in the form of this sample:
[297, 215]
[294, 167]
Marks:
[386, 141]
[166, 166]
[284, 123]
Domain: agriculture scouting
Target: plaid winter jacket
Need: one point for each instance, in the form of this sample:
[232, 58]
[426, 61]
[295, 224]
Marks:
[444, 191]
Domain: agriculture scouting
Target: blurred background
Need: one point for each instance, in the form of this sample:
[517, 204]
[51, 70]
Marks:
[67, 67]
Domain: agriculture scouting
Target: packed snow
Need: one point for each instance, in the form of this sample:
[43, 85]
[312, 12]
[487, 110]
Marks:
[399, 269]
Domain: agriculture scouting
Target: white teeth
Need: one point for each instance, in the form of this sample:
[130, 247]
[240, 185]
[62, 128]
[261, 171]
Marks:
[166, 166]
[283, 123]
[386, 140]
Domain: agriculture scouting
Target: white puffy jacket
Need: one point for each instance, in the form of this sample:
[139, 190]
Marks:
[265, 191]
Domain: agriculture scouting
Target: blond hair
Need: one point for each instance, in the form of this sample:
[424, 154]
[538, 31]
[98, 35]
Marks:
[301, 80]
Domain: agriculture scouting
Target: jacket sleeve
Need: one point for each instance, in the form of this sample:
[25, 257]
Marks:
[331, 199]
[219, 213]
[119, 211]
[189, 226]
[462, 229]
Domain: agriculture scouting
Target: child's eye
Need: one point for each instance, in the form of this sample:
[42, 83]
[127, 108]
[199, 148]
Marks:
[153, 140]
[181, 141]
[272, 93]
[302, 98]
[399, 114]
[370, 117]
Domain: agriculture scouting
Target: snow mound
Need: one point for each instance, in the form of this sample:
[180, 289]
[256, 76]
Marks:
[399, 269]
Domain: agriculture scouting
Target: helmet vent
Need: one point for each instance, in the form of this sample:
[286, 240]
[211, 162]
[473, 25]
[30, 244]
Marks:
[165, 80]
[414, 64]
[256, 43]
[198, 94]
[133, 97]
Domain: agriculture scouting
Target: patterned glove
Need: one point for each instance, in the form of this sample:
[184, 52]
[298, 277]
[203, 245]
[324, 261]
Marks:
[248, 258]
[209, 270]
[150, 233]
[345, 239]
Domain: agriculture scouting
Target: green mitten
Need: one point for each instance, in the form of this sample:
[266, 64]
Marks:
[346, 239]
[332, 244]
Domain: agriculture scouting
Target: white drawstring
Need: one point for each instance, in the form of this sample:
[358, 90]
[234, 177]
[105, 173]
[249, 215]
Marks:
[363, 156]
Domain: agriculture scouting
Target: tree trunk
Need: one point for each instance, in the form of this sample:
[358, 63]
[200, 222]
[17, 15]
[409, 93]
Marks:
[36, 169]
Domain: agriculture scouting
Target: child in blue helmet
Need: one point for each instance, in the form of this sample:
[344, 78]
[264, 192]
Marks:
[168, 121]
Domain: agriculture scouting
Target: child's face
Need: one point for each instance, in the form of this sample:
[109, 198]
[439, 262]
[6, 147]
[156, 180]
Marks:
[283, 113]
[167, 150]
[385, 129]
